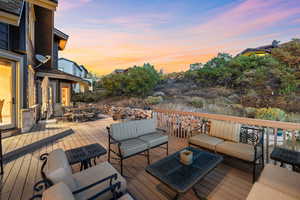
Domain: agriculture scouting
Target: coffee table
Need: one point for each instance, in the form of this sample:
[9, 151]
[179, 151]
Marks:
[181, 178]
[84, 155]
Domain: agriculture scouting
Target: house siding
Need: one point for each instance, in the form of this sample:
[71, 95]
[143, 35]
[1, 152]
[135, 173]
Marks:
[55, 54]
[44, 33]
[4, 36]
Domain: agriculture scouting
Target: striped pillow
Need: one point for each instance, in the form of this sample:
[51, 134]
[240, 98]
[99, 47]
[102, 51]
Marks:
[225, 130]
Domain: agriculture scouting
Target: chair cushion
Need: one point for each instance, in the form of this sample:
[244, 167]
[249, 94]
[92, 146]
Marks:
[126, 197]
[124, 130]
[154, 139]
[94, 174]
[145, 126]
[237, 150]
[225, 130]
[59, 191]
[59, 169]
[132, 146]
[281, 179]
[260, 191]
[205, 141]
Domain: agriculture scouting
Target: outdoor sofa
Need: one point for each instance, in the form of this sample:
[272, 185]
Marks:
[92, 182]
[130, 138]
[276, 183]
[234, 140]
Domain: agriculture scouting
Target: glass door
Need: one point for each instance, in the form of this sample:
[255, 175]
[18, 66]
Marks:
[7, 94]
[65, 94]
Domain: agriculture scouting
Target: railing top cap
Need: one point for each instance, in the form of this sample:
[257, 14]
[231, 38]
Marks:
[242, 120]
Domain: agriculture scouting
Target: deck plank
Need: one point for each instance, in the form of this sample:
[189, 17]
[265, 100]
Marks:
[225, 182]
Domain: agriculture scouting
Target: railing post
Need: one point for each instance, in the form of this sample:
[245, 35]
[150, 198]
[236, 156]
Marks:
[267, 143]
[294, 140]
[275, 137]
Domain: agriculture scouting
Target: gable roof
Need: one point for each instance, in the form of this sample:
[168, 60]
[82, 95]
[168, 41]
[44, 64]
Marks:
[78, 66]
[84, 68]
[60, 34]
[10, 11]
[61, 38]
[266, 48]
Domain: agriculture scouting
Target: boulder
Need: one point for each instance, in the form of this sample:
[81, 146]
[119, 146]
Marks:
[159, 93]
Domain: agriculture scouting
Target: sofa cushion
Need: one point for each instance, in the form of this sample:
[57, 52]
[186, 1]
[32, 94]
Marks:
[260, 191]
[124, 130]
[59, 191]
[154, 139]
[132, 146]
[281, 179]
[237, 150]
[94, 174]
[145, 126]
[205, 141]
[59, 169]
[225, 130]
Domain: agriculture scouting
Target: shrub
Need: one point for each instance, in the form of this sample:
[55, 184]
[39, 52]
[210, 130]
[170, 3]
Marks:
[137, 81]
[288, 53]
[153, 100]
[197, 102]
[275, 114]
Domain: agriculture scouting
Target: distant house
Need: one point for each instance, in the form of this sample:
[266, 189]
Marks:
[27, 29]
[260, 51]
[71, 67]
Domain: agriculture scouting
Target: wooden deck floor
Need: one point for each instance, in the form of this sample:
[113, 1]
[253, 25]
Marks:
[225, 182]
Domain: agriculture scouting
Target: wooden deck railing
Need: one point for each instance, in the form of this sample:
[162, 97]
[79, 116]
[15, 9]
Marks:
[181, 124]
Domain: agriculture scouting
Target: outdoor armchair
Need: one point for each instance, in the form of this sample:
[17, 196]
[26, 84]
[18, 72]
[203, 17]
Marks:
[86, 183]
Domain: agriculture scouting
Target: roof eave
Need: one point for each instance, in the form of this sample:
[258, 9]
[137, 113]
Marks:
[51, 5]
[9, 18]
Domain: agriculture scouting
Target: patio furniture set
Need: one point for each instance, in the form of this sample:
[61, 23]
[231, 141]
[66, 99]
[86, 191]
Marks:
[127, 139]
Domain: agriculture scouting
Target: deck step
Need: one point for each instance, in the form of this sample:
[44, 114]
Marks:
[15, 154]
[10, 132]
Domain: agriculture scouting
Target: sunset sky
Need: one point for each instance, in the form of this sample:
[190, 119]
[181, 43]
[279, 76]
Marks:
[171, 34]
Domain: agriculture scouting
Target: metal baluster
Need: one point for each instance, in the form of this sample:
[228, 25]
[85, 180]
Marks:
[267, 144]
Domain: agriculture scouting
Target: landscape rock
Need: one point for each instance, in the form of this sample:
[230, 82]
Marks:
[156, 94]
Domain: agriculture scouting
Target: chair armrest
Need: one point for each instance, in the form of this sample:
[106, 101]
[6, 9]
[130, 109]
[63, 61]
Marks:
[160, 129]
[259, 145]
[37, 196]
[112, 187]
[112, 140]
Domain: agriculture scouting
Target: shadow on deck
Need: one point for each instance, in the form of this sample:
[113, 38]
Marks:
[225, 182]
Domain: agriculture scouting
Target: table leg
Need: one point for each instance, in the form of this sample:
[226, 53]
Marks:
[281, 164]
[178, 196]
[198, 196]
[81, 166]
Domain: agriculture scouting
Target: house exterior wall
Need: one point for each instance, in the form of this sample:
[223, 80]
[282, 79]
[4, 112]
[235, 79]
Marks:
[44, 33]
[66, 66]
[4, 36]
[55, 54]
